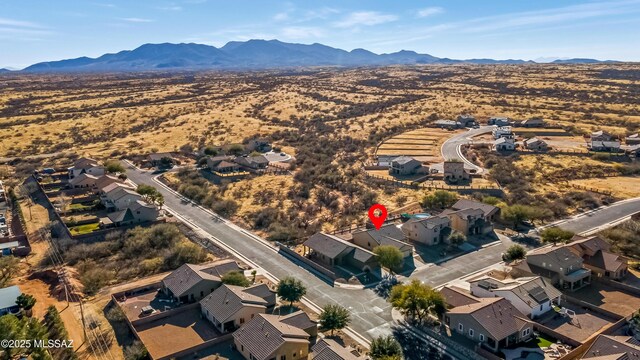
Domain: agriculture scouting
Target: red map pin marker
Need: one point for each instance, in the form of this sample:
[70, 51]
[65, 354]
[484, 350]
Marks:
[377, 220]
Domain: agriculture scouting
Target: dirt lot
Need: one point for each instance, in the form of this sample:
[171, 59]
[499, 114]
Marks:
[621, 186]
[422, 144]
[181, 331]
[609, 298]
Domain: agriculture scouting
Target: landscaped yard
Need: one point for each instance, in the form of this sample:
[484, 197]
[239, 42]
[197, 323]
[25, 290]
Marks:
[81, 207]
[544, 342]
[84, 229]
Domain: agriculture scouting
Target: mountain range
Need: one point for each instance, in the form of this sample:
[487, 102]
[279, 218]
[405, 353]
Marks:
[251, 54]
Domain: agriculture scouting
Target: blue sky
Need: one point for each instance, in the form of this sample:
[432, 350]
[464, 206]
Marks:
[42, 30]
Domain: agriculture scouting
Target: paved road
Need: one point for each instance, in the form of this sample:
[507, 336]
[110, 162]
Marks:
[451, 148]
[602, 218]
[371, 315]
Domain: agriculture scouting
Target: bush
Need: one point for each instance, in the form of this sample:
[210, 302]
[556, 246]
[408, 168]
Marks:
[94, 279]
[386, 347]
[515, 252]
[236, 278]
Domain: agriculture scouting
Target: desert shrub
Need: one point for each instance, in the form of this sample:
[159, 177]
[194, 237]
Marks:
[625, 238]
[93, 279]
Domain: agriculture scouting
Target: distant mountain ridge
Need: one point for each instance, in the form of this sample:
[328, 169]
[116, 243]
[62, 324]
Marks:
[251, 54]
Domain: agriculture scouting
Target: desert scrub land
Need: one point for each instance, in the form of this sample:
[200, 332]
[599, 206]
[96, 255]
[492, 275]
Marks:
[331, 119]
[124, 256]
[98, 114]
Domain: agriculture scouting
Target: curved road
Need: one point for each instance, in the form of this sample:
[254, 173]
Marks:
[451, 148]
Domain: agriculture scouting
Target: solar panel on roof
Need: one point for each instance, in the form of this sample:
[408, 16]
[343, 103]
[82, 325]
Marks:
[538, 294]
[484, 284]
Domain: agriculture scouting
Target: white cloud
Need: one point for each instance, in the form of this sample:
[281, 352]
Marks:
[367, 18]
[136, 20]
[18, 23]
[434, 10]
[281, 16]
[171, 8]
[22, 30]
[302, 32]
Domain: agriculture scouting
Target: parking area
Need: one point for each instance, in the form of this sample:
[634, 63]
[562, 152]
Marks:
[169, 335]
[579, 326]
[609, 298]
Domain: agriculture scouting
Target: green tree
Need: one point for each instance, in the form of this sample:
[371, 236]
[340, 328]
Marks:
[10, 329]
[386, 348]
[291, 289]
[236, 278]
[33, 329]
[439, 199]
[150, 194]
[389, 257]
[165, 162]
[26, 301]
[235, 149]
[517, 214]
[334, 317]
[456, 238]
[211, 151]
[417, 300]
[515, 252]
[556, 235]
[114, 166]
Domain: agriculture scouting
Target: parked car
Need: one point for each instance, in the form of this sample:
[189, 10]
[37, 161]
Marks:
[48, 171]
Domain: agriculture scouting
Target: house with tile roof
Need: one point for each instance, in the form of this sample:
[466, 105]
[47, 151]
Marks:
[633, 139]
[301, 320]
[406, 165]
[95, 182]
[333, 251]
[229, 307]
[504, 144]
[558, 264]
[454, 171]
[597, 257]
[609, 347]
[601, 135]
[455, 296]
[533, 296]
[490, 212]
[253, 162]
[328, 349]
[429, 230]
[499, 121]
[533, 122]
[494, 323]
[535, 144]
[468, 221]
[85, 166]
[190, 283]
[118, 196]
[267, 337]
[136, 213]
[389, 235]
